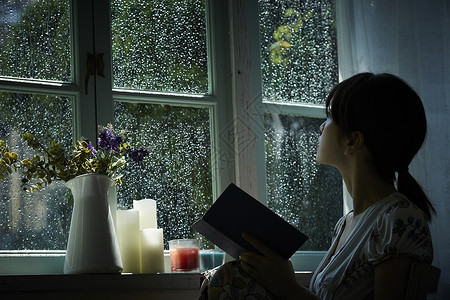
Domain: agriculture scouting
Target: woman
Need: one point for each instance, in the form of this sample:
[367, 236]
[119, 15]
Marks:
[375, 126]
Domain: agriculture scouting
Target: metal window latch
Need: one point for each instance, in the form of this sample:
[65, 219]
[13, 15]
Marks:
[95, 65]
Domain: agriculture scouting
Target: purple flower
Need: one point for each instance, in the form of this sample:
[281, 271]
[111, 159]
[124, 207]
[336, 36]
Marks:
[107, 140]
[91, 148]
[138, 155]
[116, 143]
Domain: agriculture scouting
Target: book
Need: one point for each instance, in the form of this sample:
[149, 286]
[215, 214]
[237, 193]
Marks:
[235, 212]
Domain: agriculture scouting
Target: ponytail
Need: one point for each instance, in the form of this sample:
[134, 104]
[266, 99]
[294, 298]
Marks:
[391, 116]
[408, 186]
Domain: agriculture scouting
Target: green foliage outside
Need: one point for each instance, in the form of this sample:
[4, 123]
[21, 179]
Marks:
[177, 172]
[299, 64]
[38, 46]
[25, 223]
[160, 45]
[299, 53]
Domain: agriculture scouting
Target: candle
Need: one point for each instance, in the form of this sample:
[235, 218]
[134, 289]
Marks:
[184, 260]
[128, 236]
[147, 213]
[210, 259]
[152, 250]
[184, 255]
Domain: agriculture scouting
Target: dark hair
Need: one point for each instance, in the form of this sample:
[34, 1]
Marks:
[391, 116]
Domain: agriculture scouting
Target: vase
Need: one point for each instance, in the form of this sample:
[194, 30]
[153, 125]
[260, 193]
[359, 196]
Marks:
[92, 246]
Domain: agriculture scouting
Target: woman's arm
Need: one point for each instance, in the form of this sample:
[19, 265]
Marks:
[391, 278]
[273, 272]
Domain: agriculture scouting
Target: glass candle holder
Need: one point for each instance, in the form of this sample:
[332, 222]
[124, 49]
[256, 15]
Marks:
[184, 255]
[209, 259]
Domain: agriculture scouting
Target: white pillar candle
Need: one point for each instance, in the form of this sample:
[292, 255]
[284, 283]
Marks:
[147, 213]
[129, 238]
[152, 250]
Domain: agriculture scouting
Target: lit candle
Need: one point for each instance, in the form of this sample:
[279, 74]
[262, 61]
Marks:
[147, 213]
[152, 250]
[129, 238]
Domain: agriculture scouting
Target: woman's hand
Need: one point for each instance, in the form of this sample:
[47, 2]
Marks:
[272, 271]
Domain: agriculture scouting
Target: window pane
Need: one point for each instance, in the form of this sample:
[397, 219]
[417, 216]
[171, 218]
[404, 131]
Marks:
[298, 50]
[177, 172]
[160, 45]
[35, 39]
[304, 193]
[39, 220]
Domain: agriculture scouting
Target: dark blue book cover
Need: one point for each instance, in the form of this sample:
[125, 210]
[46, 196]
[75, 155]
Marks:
[235, 212]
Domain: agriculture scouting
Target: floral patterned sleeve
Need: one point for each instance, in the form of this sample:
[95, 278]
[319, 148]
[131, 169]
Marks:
[401, 232]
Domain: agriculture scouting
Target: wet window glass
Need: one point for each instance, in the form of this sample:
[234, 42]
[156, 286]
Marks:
[306, 194]
[40, 220]
[298, 50]
[159, 45]
[299, 65]
[35, 39]
[177, 171]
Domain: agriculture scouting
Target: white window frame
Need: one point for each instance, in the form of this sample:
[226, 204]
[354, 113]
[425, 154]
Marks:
[234, 101]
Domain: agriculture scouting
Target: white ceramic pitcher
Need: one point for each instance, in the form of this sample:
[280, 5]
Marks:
[92, 246]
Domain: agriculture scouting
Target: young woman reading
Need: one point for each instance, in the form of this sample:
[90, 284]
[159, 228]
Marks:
[375, 126]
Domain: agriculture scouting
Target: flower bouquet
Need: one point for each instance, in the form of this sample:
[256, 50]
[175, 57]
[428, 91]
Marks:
[56, 163]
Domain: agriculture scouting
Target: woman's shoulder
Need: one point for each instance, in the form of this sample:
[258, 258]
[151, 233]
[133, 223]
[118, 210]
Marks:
[401, 229]
[397, 212]
[398, 206]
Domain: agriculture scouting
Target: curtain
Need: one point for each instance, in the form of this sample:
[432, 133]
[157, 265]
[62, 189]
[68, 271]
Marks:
[411, 39]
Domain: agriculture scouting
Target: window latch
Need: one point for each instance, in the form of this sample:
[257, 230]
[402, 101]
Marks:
[95, 65]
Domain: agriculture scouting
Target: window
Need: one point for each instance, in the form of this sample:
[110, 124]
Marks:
[159, 50]
[35, 97]
[170, 81]
[160, 47]
[299, 68]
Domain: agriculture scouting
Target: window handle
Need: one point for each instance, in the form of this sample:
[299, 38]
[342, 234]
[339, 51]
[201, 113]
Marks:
[94, 66]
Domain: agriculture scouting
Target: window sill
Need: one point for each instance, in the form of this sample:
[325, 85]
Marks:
[135, 286]
[102, 286]
[22, 262]
[90, 282]
[24, 274]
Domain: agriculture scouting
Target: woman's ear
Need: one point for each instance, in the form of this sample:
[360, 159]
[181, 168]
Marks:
[355, 141]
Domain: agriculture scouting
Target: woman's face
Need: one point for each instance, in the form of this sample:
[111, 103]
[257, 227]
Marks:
[330, 150]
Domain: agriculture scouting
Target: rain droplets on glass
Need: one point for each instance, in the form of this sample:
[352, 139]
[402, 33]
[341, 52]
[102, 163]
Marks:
[299, 65]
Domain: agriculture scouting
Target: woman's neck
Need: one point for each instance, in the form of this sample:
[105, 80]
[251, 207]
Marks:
[366, 188]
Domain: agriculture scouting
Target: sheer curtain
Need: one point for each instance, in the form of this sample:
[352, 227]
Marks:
[411, 39]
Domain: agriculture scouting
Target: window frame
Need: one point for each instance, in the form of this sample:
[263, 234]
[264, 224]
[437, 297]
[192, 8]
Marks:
[234, 102]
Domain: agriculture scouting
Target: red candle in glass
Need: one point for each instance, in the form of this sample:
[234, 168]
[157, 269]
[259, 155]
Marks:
[184, 260]
[184, 255]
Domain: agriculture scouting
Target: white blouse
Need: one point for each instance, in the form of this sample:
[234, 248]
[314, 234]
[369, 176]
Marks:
[392, 227]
